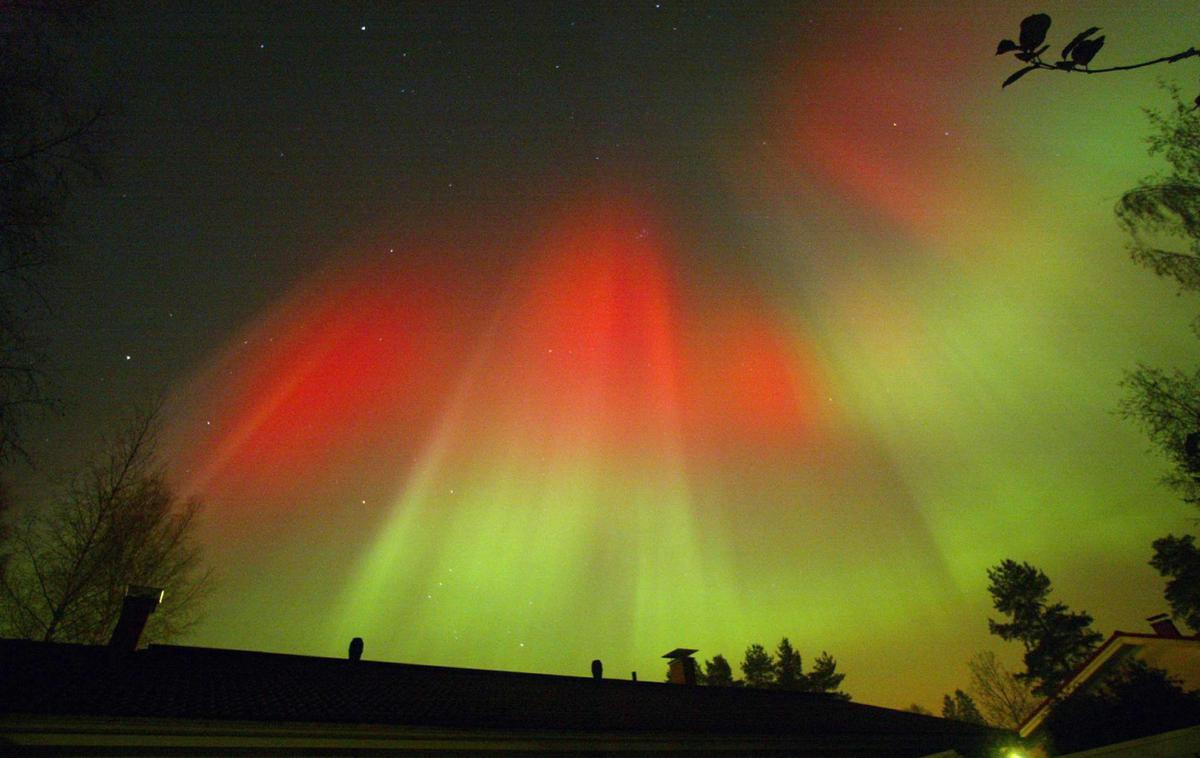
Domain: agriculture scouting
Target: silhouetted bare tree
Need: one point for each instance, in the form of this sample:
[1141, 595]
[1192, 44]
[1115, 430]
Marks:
[117, 523]
[1003, 699]
[1162, 217]
[48, 145]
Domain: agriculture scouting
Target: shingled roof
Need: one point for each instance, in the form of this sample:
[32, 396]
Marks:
[46, 683]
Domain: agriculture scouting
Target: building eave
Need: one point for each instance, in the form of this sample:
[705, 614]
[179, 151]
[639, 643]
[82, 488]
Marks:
[32, 734]
[1116, 644]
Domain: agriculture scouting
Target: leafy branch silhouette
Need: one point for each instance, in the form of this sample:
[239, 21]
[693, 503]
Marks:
[1076, 56]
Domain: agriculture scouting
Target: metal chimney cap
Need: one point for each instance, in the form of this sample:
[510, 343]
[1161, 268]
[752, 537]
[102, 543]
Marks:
[147, 593]
[680, 652]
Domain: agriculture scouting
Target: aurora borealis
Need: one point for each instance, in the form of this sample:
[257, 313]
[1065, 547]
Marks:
[514, 338]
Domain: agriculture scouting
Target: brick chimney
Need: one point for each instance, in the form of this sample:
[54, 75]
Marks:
[682, 668]
[139, 603]
[1163, 626]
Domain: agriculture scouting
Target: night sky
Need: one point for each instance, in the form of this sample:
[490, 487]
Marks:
[518, 336]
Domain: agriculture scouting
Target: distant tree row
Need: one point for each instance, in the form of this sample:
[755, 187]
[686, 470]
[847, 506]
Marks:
[782, 671]
[960, 707]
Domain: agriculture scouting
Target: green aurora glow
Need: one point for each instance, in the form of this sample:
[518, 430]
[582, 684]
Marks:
[955, 311]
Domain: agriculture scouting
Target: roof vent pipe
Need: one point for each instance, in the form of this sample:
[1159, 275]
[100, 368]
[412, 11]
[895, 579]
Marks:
[139, 603]
[356, 649]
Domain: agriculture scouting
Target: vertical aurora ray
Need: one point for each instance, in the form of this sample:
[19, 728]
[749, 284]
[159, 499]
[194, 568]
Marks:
[601, 466]
[557, 489]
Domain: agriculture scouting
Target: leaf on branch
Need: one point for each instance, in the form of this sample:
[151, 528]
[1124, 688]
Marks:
[1013, 77]
[1086, 49]
[1033, 30]
[1006, 46]
[1078, 38]
[1029, 56]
